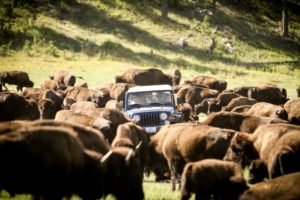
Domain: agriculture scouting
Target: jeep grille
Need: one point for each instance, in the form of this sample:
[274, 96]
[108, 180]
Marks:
[150, 119]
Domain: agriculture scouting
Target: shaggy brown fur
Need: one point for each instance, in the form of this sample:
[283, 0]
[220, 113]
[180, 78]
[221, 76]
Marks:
[283, 187]
[151, 76]
[18, 78]
[222, 179]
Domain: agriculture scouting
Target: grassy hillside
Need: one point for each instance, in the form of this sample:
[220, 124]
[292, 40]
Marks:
[100, 39]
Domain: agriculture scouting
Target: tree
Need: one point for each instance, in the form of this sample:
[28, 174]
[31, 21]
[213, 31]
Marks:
[164, 9]
[214, 6]
[284, 20]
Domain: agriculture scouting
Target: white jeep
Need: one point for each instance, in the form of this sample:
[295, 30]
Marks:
[151, 106]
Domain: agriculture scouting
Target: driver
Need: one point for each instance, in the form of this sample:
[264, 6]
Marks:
[137, 98]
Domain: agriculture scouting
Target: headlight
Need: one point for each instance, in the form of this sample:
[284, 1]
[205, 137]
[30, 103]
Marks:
[163, 116]
[136, 118]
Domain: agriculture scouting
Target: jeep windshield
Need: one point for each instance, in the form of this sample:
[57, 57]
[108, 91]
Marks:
[149, 99]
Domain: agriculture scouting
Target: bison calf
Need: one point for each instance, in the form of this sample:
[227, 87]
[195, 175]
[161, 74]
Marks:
[222, 179]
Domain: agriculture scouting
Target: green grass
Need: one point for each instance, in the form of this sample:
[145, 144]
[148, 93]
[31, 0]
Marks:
[152, 190]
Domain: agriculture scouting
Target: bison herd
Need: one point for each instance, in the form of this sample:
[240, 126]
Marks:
[63, 139]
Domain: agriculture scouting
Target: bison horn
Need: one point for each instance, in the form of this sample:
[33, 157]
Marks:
[106, 156]
[139, 145]
[127, 159]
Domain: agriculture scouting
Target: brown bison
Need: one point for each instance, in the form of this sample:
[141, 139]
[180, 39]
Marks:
[276, 145]
[86, 94]
[211, 82]
[182, 143]
[50, 104]
[238, 121]
[194, 95]
[52, 85]
[264, 109]
[133, 136]
[222, 179]
[116, 91]
[270, 94]
[33, 93]
[54, 161]
[222, 100]
[96, 122]
[122, 176]
[292, 107]
[91, 138]
[65, 78]
[239, 101]
[243, 91]
[114, 104]
[16, 107]
[151, 76]
[18, 78]
[283, 187]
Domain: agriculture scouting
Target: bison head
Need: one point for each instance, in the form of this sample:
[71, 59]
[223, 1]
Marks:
[241, 149]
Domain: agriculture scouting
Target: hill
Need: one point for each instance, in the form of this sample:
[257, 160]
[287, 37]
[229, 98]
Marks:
[100, 39]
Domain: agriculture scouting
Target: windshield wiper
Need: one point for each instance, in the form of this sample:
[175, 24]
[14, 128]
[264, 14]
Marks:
[155, 104]
[136, 105]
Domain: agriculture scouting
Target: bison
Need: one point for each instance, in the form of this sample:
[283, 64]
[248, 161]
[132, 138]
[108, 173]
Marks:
[211, 82]
[54, 161]
[16, 107]
[151, 76]
[270, 94]
[187, 142]
[91, 138]
[65, 78]
[264, 109]
[283, 187]
[123, 177]
[242, 91]
[292, 107]
[135, 137]
[104, 125]
[239, 101]
[194, 95]
[276, 145]
[18, 78]
[222, 179]
[238, 121]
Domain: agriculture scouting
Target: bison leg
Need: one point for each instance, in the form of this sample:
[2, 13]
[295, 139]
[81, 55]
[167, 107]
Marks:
[173, 174]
